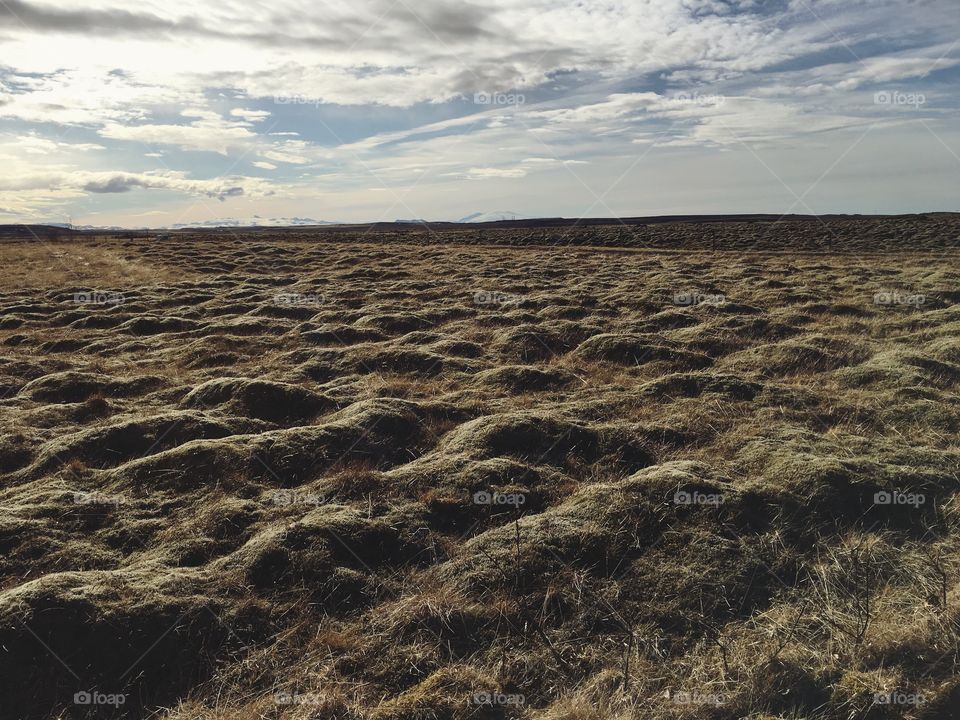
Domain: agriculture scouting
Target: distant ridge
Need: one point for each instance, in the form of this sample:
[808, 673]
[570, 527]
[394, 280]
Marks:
[48, 230]
[495, 216]
[560, 222]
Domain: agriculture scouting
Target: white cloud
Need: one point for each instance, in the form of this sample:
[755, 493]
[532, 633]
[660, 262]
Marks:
[251, 115]
[598, 78]
[35, 144]
[122, 182]
[485, 173]
[291, 152]
[201, 136]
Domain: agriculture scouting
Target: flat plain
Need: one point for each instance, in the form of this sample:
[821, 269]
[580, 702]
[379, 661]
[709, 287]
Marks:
[668, 471]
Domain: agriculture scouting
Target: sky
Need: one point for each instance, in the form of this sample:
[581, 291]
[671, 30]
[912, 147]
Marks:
[169, 112]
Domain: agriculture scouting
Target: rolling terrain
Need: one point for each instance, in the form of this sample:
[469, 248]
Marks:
[657, 470]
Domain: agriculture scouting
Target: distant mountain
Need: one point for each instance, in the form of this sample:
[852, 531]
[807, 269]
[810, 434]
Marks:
[28, 230]
[495, 216]
[255, 221]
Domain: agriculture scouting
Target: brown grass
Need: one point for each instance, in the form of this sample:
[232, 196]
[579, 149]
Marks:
[223, 505]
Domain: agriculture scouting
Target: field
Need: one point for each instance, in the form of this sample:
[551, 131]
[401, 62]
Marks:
[665, 471]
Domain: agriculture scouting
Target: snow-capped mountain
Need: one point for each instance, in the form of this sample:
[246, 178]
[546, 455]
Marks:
[255, 221]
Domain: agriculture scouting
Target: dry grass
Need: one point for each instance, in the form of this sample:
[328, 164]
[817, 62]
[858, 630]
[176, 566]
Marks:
[222, 504]
[94, 264]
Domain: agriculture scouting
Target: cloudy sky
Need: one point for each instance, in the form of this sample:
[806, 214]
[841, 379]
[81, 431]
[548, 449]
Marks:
[174, 111]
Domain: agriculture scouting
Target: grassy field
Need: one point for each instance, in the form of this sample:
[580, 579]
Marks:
[592, 474]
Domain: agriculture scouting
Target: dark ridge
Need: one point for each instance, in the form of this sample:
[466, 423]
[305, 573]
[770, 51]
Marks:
[23, 231]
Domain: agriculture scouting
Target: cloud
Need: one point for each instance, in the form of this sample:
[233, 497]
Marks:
[114, 184]
[86, 95]
[351, 24]
[402, 54]
[385, 91]
[110, 183]
[107, 22]
[251, 115]
[34, 144]
[200, 136]
[485, 173]
[285, 156]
